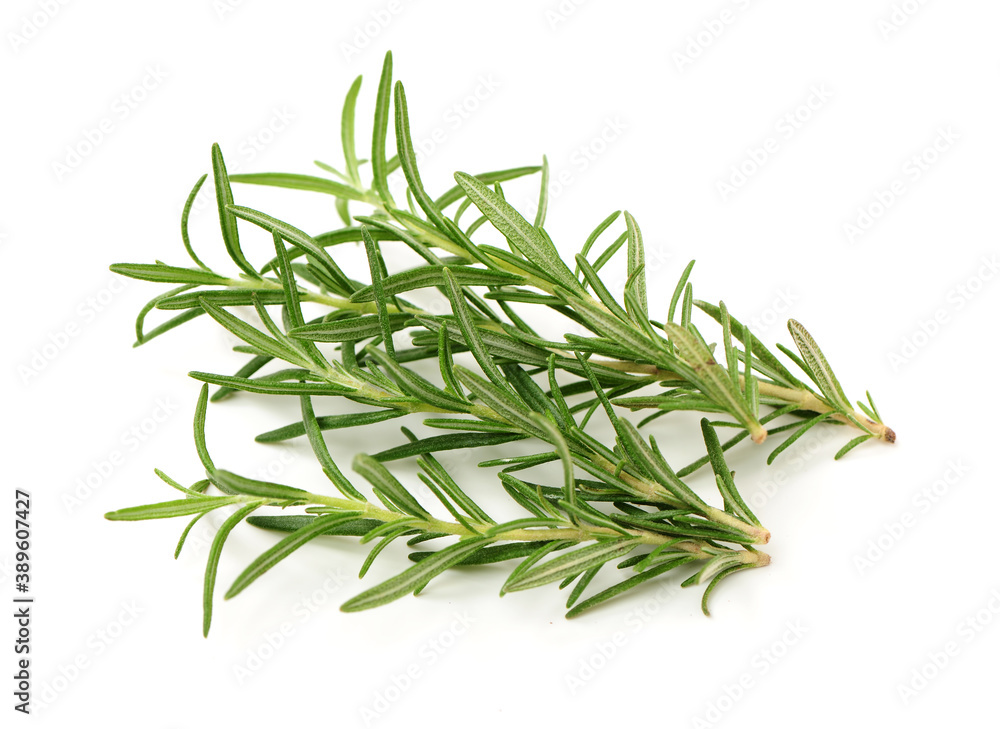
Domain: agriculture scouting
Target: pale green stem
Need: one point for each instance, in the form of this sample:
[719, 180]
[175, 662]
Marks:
[804, 399]
[577, 534]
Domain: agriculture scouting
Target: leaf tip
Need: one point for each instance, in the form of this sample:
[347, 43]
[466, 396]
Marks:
[351, 606]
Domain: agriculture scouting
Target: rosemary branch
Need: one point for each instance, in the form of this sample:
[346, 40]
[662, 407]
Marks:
[401, 515]
[617, 501]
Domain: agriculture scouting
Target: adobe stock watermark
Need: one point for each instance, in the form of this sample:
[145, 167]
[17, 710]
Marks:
[94, 646]
[60, 339]
[454, 118]
[761, 664]
[899, 15]
[937, 660]
[251, 146]
[427, 655]
[562, 176]
[786, 127]
[130, 440]
[7, 569]
[921, 503]
[558, 14]
[365, 32]
[604, 652]
[913, 170]
[224, 8]
[955, 300]
[248, 149]
[92, 137]
[776, 311]
[302, 611]
[708, 34]
[791, 461]
[32, 24]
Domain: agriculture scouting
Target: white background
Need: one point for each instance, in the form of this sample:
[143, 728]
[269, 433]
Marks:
[648, 106]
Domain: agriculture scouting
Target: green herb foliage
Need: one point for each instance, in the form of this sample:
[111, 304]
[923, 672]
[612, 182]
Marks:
[615, 501]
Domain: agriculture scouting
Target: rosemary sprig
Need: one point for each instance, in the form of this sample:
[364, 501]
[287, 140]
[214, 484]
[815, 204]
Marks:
[617, 501]
[673, 353]
[558, 520]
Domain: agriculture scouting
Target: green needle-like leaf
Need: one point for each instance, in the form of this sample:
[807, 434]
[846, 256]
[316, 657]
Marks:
[592, 238]
[750, 342]
[653, 464]
[302, 182]
[212, 567]
[387, 485]
[416, 577]
[523, 236]
[220, 298]
[468, 327]
[159, 273]
[636, 264]
[329, 422]
[722, 472]
[285, 547]
[435, 444]
[456, 193]
[678, 290]
[427, 276]
[312, 429]
[254, 337]
[436, 472]
[186, 215]
[556, 438]
[351, 329]
[390, 537]
[716, 580]
[489, 554]
[851, 446]
[533, 558]
[628, 584]
[501, 400]
[227, 221]
[818, 367]
[252, 487]
[170, 509]
[199, 430]
[592, 279]
[577, 561]
[798, 434]
[383, 101]
[376, 266]
[543, 194]
[413, 384]
[408, 161]
[347, 132]
[269, 387]
[713, 380]
[352, 528]
[299, 239]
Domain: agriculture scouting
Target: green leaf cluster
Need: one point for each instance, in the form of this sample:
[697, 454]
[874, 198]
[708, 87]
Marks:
[311, 330]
